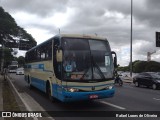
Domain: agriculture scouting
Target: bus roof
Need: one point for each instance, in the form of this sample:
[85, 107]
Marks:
[81, 36]
[85, 36]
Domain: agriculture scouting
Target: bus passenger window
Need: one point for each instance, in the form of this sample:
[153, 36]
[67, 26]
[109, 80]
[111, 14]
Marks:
[49, 50]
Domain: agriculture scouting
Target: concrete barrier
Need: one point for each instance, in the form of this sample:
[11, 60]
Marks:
[28, 102]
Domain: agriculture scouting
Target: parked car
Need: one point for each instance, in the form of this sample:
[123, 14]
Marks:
[148, 79]
[20, 71]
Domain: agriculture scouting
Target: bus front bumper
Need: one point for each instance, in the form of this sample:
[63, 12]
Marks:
[82, 96]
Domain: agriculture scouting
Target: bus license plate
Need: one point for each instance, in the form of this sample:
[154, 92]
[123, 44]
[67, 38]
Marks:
[93, 96]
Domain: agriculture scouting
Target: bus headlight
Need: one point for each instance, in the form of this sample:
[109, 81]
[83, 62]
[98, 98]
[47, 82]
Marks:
[72, 89]
[109, 87]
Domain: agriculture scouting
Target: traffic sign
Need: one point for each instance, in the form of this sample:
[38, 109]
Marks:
[26, 45]
[157, 39]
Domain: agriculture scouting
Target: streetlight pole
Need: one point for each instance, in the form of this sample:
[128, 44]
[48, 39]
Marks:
[131, 44]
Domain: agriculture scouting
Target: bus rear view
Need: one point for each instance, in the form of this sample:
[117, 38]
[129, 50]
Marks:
[83, 68]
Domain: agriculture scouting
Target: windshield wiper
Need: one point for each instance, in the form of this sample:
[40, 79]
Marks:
[84, 73]
[100, 71]
[88, 69]
[92, 66]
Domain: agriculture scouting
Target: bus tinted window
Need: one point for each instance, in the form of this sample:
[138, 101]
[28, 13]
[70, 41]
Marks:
[42, 52]
[75, 44]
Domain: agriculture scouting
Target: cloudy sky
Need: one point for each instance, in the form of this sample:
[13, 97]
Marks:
[108, 18]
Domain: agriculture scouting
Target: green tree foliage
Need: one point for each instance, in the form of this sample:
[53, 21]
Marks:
[10, 32]
[142, 66]
[8, 57]
[21, 61]
[139, 66]
[152, 66]
[125, 68]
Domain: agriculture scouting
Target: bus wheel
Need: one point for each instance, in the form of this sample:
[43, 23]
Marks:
[48, 92]
[29, 83]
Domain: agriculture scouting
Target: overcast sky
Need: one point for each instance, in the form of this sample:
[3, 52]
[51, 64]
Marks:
[108, 18]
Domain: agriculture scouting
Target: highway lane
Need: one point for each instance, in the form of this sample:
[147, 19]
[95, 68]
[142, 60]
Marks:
[40, 97]
[127, 98]
[137, 98]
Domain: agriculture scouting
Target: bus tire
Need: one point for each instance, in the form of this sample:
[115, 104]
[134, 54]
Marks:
[29, 83]
[48, 91]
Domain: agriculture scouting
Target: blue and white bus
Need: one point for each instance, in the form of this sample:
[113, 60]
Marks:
[72, 67]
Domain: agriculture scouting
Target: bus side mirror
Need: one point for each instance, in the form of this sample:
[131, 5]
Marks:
[59, 55]
[114, 59]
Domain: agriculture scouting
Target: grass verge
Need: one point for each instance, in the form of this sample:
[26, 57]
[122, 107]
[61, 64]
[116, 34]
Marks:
[9, 101]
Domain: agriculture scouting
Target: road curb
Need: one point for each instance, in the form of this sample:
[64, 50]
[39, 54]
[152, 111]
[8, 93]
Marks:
[27, 107]
[18, 98]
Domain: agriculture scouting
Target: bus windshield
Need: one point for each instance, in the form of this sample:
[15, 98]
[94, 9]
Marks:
[86, 59]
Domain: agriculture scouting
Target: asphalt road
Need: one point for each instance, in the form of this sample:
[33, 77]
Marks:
[127, 98]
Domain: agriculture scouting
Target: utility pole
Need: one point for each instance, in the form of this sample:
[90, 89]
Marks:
[59, 31]
[131, 44]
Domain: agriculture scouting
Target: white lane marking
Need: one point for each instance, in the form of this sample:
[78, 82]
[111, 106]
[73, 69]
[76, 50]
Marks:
[110, 104]
[156, 98]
